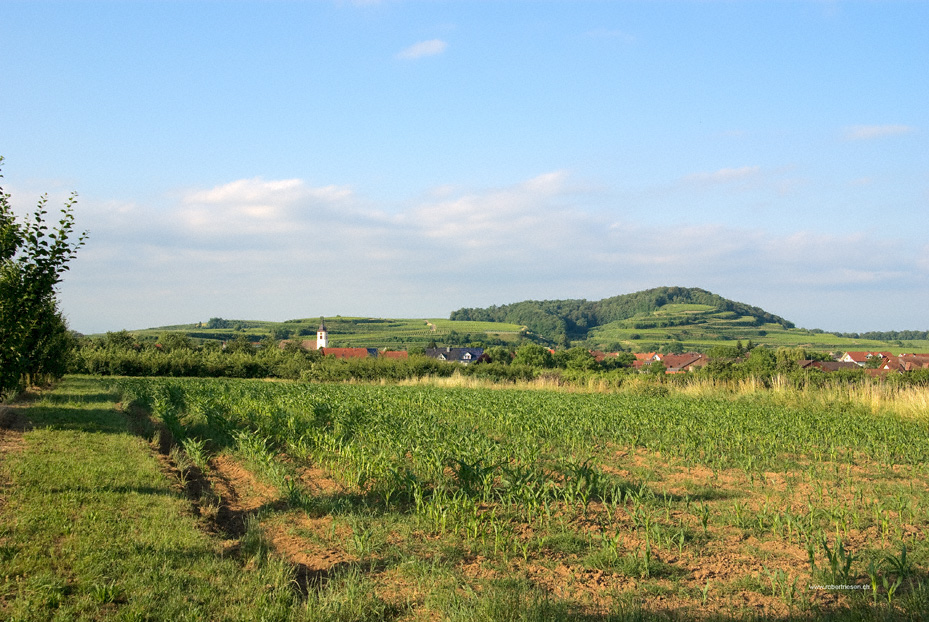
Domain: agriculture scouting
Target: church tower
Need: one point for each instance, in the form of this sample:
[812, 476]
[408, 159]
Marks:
[322, 337]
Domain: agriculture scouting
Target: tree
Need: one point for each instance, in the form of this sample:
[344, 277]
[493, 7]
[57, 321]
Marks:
[761, 362]
[120, 340]
[34, 339]
[533, 355]
[622, 359]
[171, 341]
[575, 358]
[217, 322]
[240, 344]
[656, 368]
[499, 354]
[282, 332]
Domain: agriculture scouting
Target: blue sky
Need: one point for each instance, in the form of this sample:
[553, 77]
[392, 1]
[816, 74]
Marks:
[277, 160]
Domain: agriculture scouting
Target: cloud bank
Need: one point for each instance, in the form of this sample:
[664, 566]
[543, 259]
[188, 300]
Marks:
[280, 249]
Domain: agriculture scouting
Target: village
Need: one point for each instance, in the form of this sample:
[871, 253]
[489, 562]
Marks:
[874, 363]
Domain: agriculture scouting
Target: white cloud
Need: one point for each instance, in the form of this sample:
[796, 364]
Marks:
[869, 132]
[494, 219]
[423, 48]
[724, 175]
[249, 207]
[244, 190]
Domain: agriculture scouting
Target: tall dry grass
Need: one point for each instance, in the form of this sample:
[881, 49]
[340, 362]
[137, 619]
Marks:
[879, 398]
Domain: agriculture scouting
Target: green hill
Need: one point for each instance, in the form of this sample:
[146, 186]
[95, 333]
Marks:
[564, 321]
[670, 319]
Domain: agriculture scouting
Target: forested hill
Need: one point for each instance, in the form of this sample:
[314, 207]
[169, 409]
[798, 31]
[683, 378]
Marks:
[561, 321]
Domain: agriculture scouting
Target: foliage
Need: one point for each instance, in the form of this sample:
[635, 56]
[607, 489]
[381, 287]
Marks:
[560, 321]
[534, 355]
[34, 340]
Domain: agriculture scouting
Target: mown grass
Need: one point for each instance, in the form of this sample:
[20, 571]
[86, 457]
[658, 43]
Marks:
[91, 528]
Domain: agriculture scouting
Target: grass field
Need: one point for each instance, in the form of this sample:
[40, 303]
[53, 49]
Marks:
[362, 502]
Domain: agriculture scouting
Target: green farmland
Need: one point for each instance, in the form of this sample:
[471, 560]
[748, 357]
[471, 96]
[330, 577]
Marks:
[350, 332]
[364, 502]
[702, 329]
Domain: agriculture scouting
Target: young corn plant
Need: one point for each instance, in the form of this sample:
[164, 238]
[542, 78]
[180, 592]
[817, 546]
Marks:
[196, 452]
[704, 517]
[840, 562]
[873, 577]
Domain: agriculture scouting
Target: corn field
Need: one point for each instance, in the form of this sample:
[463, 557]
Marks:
[704, 502]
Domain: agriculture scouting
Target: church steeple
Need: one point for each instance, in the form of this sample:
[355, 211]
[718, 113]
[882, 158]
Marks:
[322, 336]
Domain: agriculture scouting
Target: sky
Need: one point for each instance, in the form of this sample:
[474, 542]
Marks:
[282, 160]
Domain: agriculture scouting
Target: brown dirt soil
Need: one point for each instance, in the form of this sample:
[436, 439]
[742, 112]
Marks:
[238, 489]
[318, 482]
[313, 545]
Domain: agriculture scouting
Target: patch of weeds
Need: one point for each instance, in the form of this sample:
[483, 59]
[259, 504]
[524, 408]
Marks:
[349, 597]
[278, 596]
[295, 495]
[630, 606]
[209, 505]
[745, 583]
[606, 559]
[450, 553]
[420, 569]
[7, 552]
[43, 591]
[106, 592]
[254, 546]
[567, 543]
[506, 600]
[916, 599]
[656, 589]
